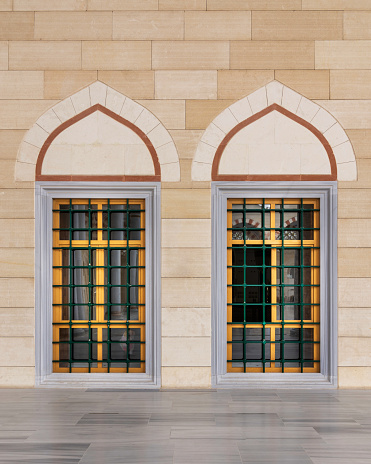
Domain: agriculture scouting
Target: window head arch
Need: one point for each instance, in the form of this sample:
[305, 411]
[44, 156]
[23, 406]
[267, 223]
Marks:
[98, 134]
[274, 132]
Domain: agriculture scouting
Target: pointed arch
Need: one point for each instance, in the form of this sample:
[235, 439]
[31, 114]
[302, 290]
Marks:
[149, 133]
[334, 150]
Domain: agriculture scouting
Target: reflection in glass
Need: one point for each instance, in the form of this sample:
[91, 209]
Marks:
[64, 222]
[287, 348]
[124, 280]
[308, 348]
[120, 346]
[308, 222]
[119, 218]
[249, 222]
[80, 220]
[81, 290]
[134, 222]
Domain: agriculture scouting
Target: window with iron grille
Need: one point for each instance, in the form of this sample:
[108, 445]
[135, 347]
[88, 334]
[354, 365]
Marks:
[273, 285]
[99, 285]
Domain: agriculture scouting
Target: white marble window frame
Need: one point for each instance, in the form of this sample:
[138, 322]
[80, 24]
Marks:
[45, 192]
[327, 193]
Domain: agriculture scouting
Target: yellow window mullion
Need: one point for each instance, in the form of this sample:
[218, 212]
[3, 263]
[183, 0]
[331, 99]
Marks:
[273, 301]
[141, 290]
[99, 298]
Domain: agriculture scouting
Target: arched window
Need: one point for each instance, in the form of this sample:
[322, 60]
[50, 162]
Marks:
[274, 158]
[98, 158]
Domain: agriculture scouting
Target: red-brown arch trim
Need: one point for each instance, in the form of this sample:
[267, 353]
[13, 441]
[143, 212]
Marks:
[273, 177]
[82, 115]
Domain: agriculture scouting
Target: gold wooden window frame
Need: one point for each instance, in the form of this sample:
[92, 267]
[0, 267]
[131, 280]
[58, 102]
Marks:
[105, 339]
[258, 228]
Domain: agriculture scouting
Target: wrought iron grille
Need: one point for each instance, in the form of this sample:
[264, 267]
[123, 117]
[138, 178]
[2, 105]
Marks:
[273, 313]
[99, 285]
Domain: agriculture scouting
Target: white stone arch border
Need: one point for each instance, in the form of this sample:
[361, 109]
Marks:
[277, 96]
[98, 94]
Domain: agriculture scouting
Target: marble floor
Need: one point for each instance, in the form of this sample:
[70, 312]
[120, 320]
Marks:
[185, 427]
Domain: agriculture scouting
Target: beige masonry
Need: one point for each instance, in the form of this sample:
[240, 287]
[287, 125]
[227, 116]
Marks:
[4, 60]
[6, 5]
[313, 84]
[182, 4]
[186, 73]
[134, 84]
[73, 26]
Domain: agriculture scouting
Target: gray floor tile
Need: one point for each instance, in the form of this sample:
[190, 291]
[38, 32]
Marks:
[75, 426]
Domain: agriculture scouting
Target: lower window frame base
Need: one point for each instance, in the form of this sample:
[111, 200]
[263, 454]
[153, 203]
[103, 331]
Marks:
[121, 381]
[273, 381]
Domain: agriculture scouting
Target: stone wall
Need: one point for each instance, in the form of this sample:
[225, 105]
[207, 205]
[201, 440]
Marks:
[185, 61]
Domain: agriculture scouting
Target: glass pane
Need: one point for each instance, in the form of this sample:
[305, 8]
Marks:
[237, 234]
[267, 220]
[256, 206]
[94, 222]
[65, 262]
[291, 312]
[267, 224]
[307, 252]
[65, 313]
[238, 313]
[66, 277]
[254, 351]
[64, 335]
[253, 220]
[290, 223]
[134, 222]
[254, 334]
[80, 351]
[252, 233]
[307, 313]
[308, 334]
[291, 257]
[308, 349]
[80, 220]
[308, 222]
[81, 292]
[250, 220]
[81, 313]
[237, 350]
[133, 313]
[64, 354]
[254, 294]
[291, 294]
[115, 218]
[64, 222]
[291, 365]
[80, 258]
[292, 350]
[122, 347]
[94, 346]
[237, 223]
[237, 334]
[134, 348]
[238, 279]
[292, 275]
[292, 334]
[118, 276]
[291, 206]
